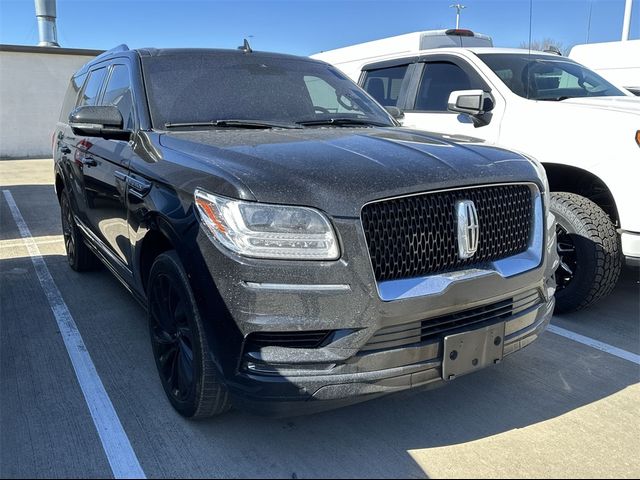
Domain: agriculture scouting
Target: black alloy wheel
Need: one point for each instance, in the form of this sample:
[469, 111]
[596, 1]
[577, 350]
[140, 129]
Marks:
[185, 363]
[172, 337]
[568, 259]
[79, 256]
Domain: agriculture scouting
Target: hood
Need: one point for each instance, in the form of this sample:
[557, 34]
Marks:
[340, 169]
[618, 104]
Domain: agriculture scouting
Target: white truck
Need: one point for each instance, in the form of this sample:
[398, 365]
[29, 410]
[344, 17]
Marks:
[581, 128]
[618, 62]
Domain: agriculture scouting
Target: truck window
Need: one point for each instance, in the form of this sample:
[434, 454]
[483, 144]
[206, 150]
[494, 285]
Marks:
[439, 79]
[384, 84]
[546, 77]
[324, 96]
[92, 87]
[118, 93]
[71, 97]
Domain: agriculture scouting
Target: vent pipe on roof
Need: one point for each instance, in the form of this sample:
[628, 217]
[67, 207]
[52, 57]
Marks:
[46, 15]
[626, 22]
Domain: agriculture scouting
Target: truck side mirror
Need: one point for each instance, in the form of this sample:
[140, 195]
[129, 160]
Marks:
[476, 103]
[471, 102]
[395, 112]
[98, 121]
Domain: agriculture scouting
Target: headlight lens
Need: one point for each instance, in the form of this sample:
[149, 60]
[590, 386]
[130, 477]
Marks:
[267, 231]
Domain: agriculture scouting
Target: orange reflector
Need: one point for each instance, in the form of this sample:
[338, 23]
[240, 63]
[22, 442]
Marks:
[211, 214]
[638, 137]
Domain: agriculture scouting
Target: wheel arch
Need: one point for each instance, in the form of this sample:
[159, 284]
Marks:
[59, 186]
[566, 178]
[156, 241]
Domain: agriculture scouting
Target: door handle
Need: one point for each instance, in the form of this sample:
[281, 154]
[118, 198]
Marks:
[89, 162]
[65, 150]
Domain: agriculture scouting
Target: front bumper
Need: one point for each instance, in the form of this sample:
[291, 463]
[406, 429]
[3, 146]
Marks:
[259, 296]
[420, 367]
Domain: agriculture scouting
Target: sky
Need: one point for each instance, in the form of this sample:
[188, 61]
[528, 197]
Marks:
[304, 27]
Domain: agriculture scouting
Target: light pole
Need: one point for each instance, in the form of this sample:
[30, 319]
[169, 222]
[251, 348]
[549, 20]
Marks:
[458, 8]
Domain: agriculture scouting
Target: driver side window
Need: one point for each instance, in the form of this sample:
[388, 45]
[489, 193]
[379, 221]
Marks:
[118, 94]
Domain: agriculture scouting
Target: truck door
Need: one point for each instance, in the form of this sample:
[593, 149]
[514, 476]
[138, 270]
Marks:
[428, 95]
[106, 168]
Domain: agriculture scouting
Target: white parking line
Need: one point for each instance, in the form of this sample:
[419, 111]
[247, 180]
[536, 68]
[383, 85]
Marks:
[605, 347]
[120, 454]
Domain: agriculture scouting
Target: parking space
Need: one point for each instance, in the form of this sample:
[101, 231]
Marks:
[559, 408]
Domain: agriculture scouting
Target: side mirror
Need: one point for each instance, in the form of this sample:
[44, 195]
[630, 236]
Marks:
[395, 112]
[471, 102]
[98, 121]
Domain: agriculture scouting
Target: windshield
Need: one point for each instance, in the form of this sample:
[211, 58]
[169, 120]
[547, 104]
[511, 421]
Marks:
[201, 87]
[541, 77]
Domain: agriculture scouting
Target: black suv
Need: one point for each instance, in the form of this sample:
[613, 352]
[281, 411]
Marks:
[294, 248]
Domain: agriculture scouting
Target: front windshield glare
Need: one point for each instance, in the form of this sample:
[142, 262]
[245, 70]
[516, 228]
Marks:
[199, 87]
[541, 77]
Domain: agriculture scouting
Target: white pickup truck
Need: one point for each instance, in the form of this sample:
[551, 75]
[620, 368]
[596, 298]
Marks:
[584, 131]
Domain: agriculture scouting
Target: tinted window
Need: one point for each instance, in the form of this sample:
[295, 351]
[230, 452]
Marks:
[92, 88]
[325, 98]
[439, 79]
[71, 96]
[201, 87]
[543, 77]
[118, 93]
[384, 84]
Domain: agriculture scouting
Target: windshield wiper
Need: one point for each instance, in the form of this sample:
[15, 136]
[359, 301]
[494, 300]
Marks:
[233, 123]
[343, 122]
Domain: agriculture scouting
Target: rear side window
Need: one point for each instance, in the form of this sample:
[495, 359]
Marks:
[439, 79]
[71, 96]
[384, 84]
[118, 93]
[92, 87]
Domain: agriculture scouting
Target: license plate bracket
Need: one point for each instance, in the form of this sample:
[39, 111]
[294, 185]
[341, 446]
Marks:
[467, 352]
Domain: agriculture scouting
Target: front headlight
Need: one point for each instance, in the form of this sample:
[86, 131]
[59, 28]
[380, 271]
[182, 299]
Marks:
[267, 231]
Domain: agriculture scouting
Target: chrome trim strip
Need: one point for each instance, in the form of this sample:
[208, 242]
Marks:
[298, 287]
[507, 267]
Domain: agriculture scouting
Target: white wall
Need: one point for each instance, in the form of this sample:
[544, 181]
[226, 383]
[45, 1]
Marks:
[32, 87]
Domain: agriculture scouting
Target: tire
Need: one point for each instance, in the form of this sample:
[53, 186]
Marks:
[79, 256]
[589, 250]
[183, 358]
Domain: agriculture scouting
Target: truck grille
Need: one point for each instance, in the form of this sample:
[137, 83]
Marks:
[417, 235]
[397, 336]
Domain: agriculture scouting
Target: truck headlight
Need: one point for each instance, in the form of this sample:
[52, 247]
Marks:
[267, 231]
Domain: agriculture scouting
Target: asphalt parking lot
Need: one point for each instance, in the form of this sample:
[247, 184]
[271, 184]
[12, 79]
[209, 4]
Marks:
[559, 408]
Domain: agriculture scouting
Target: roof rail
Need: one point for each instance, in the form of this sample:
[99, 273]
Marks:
[120, 48]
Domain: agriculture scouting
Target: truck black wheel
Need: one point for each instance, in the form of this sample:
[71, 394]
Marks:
[80, 257]
[188, 374]
[589, 251]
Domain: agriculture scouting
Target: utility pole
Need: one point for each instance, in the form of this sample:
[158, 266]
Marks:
[626, 23]
[458, 8]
